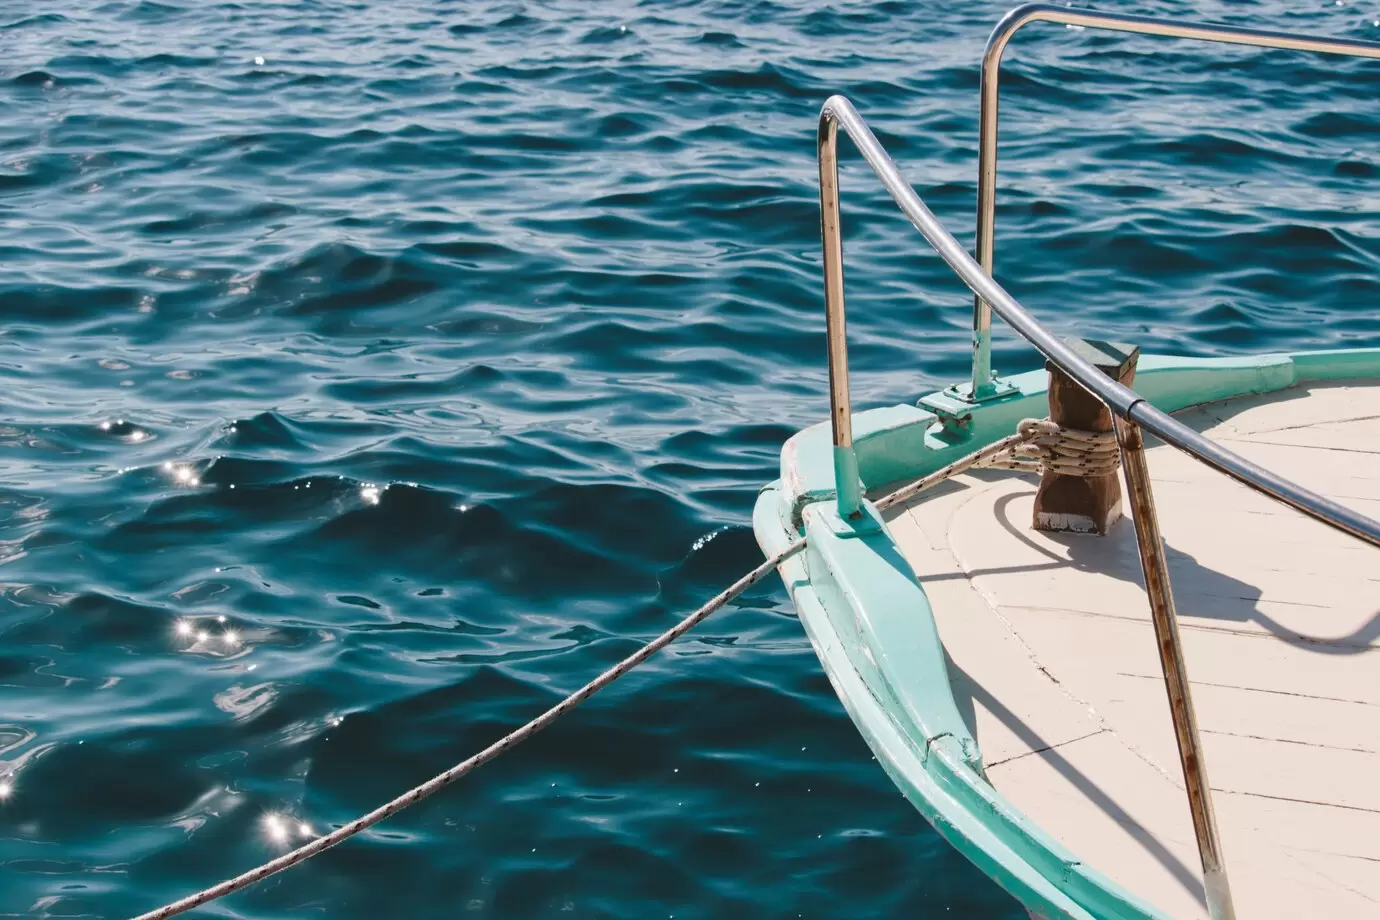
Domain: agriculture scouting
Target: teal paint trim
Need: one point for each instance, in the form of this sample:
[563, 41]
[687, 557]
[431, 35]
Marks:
[872, 627]
[881, 438]
[896, 651]
[846, 481]
[893, 443]
[864, 521]
[774, 535]
[1339, 364]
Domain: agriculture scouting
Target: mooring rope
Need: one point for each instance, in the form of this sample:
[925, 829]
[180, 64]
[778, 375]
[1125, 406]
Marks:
[1069, 451]
[442, 780]
[1033, 436]
[988, 456]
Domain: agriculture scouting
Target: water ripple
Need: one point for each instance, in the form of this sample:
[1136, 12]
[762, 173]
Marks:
[374, 374]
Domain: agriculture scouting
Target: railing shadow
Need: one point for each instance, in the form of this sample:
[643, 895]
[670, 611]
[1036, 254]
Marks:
[968, 691]
[1201, 591]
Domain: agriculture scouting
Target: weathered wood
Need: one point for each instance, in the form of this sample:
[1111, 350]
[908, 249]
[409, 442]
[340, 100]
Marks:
[1054, 665]
[1083, 504]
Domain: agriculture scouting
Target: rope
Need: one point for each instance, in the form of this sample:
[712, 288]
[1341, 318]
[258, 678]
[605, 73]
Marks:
[1069, 451]
[442, 780]
[989, 455]
[1037, 444]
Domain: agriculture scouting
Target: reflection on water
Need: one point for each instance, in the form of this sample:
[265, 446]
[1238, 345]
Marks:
[445, 356]
[279, 828]
[203, 639]
[182, 473]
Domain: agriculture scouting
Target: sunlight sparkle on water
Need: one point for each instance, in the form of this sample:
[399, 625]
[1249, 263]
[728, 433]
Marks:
[370, 494]
[6, 789]
[182, 473]
[279, 828]
[183, 628]
[276, 828]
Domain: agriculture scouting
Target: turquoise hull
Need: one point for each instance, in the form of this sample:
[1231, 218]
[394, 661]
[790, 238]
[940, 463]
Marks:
[872, 626]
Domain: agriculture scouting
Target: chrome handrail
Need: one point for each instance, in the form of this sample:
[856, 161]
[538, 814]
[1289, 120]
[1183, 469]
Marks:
[1132, 414]
[1115, 22]
[1122, 400]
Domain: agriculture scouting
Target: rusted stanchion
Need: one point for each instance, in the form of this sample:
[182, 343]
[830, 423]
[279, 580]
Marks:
[1069, 503]
[1166, 621]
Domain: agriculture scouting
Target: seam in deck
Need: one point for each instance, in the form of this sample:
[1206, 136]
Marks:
[995, 609]
[1207, 683]
[1047, 747]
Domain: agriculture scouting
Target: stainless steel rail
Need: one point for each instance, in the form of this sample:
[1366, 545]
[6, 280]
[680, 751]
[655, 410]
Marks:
[1122, 400]
[1021, 16]
[1132, 411]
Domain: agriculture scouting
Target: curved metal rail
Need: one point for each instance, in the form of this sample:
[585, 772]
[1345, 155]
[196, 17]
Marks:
[1132, 414]
[1021, 16]
[1123, 401]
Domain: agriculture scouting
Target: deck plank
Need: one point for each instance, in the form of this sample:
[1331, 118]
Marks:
[1049, 638]
[1116, 813]
[1050, 716]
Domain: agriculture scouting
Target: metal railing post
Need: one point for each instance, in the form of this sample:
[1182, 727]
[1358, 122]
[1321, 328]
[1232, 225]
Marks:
[1131, 411]
[987, 117]
[1123, 401]
[1162, 613]
[846, 483]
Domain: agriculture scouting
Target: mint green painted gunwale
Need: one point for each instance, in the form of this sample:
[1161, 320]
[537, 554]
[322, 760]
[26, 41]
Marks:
[873, 629]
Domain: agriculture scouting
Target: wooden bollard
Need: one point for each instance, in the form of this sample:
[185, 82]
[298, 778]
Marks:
[1083, 504]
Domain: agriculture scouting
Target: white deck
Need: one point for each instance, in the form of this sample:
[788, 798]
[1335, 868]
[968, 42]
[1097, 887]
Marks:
[1054, 667]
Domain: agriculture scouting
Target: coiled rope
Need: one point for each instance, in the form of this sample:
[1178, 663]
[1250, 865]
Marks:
[1049, 447]
[1038, 446]
[1035, 443]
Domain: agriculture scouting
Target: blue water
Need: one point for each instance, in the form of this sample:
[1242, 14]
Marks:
[375, 373]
